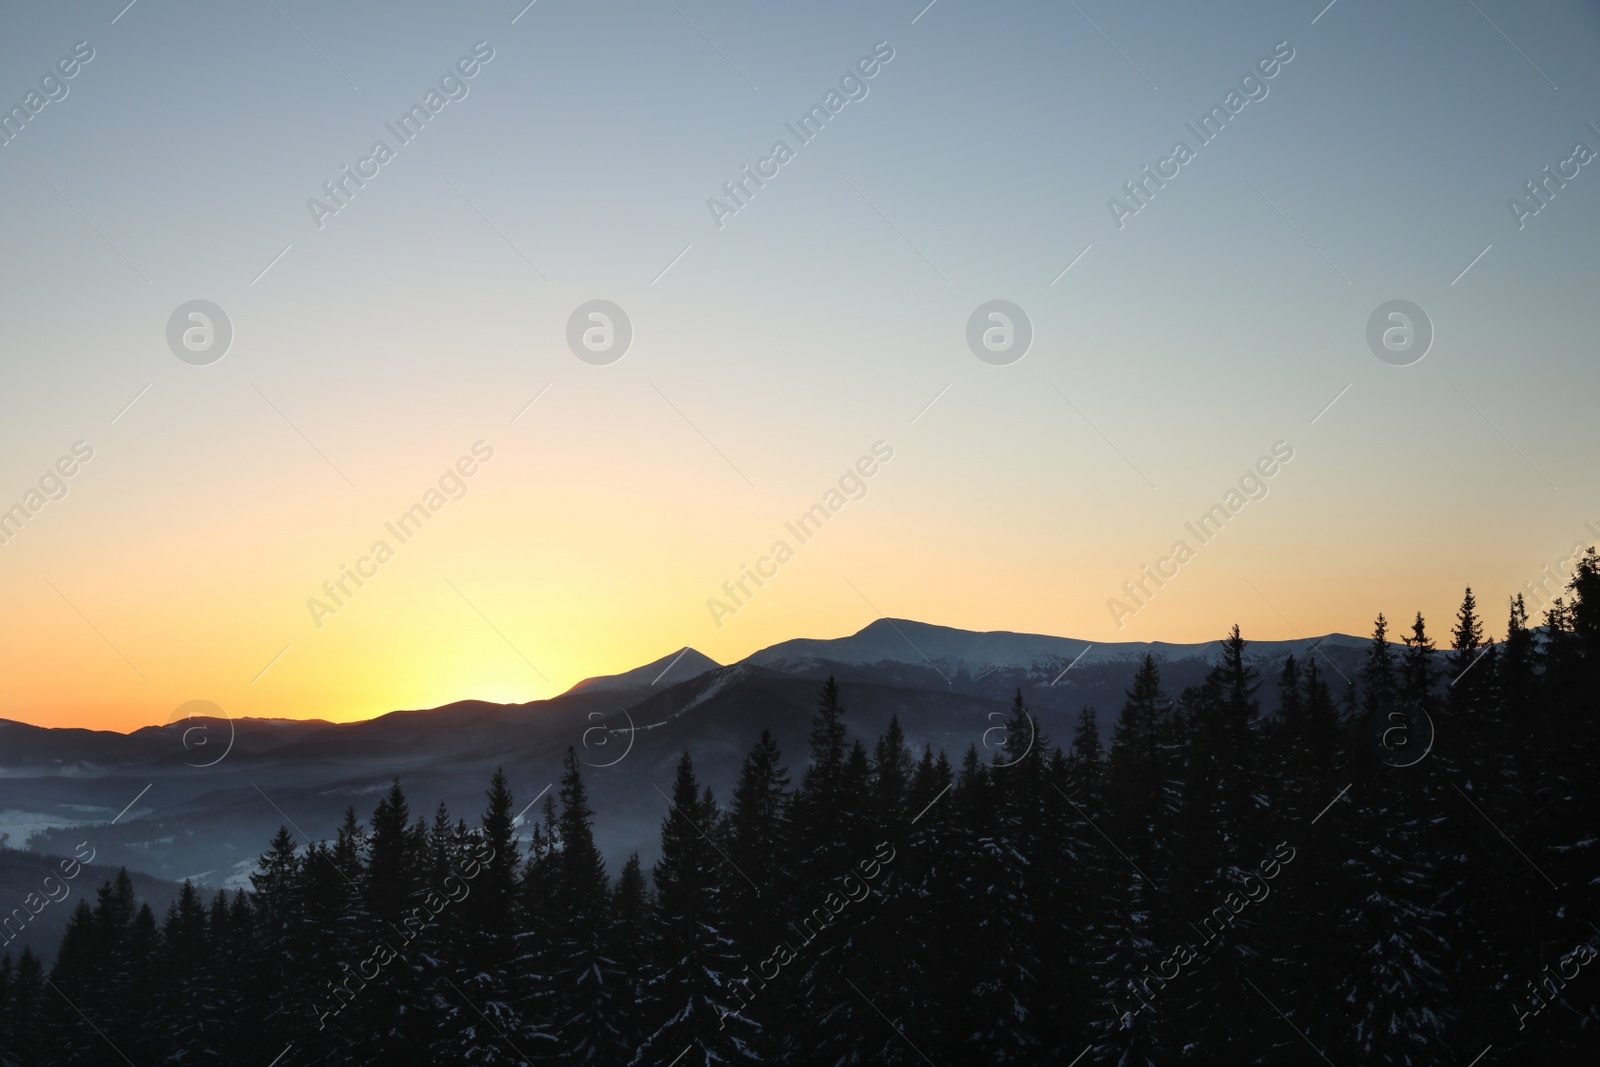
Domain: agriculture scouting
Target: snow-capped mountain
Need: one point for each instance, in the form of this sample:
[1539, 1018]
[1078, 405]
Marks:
[947, 686]
[976, 655]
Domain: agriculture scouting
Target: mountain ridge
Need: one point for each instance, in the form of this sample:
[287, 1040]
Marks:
[885, 640]
[167, 810]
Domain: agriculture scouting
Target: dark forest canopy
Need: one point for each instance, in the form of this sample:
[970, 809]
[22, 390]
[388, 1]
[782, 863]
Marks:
[1398, 867]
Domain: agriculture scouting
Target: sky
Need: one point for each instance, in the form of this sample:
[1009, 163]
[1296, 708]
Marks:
[579, 152]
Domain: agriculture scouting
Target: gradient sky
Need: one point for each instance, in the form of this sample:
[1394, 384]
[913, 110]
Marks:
[820, 319]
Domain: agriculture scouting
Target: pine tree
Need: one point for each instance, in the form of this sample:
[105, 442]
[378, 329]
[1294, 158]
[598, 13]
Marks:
[504, 993]
[855, 810]
[237, 970]
[590, 980]
[1518, 664]
[390, 886]
[630, 944]
[1418, 674]
[915, 876]
[28, 1009]
[1379, 682]
[820, 825]
[1305, 892]
[192, 1010]
[984, 904]
[759, 845]
[1486, 937]
[398, 1009]
[889, 960]
[326, 942]
[1222, 827]
[1559, 847]
[1130, 1026]
[851, 966]
[1472, 676]
[1033, 840]
[892, 767]
[274, 912]
[829, 827]
[695, 1000]
[53, 1026]
[1394, 986]
[123, 939]
[273, 882]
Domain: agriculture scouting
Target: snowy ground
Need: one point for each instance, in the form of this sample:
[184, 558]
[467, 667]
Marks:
[16, 826]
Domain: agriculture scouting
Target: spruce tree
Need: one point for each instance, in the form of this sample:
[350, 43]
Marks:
[629, 939]
[1134, 844]
[851, 966]
[1394, 985]
[916, 880]
[400, 1006]
[192, 1009]
[991, 974]
[29, 1034]
[1223, 826]
[820, 826]
[238, 966]
[1304, 901]
[502, 1001]
[1036, 831]
[758, 845]
[695, 1001]
[591, 982]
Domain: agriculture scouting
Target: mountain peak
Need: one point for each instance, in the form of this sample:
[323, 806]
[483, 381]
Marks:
[948, 649]
[675, 667]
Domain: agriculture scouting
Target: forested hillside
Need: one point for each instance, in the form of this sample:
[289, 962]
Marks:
[1395, 867]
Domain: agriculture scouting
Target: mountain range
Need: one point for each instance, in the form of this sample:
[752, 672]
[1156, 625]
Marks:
[200, 798]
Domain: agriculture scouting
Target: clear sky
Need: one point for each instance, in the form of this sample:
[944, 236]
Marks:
[772, 346]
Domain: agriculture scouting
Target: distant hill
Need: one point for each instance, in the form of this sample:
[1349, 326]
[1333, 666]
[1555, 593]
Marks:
[210, 823]
[24, 873]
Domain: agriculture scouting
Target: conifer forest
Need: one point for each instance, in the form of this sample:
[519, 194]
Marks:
[1393, 868]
